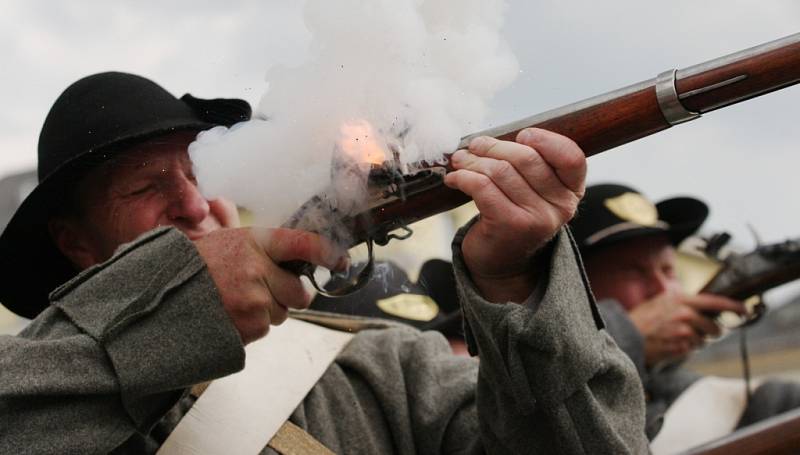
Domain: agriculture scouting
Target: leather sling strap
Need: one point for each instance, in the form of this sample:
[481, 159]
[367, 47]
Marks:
[241, 413]
[293, 440]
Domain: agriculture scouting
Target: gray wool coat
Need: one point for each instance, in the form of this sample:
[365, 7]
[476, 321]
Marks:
[107, 368]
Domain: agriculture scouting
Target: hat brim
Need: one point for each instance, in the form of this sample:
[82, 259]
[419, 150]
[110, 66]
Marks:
[683, 216]
[31, 264]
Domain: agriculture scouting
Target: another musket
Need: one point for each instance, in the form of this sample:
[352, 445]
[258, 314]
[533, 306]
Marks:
[401, 195]
[742, 276]
[767, 266]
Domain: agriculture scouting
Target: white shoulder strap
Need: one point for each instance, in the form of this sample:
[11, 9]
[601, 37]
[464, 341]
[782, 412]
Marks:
[242, 412]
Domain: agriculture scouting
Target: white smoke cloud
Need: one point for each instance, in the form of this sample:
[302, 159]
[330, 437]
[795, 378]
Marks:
[420, 72]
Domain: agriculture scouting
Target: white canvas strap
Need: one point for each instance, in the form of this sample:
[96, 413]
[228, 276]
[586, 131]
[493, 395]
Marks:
[242, 412]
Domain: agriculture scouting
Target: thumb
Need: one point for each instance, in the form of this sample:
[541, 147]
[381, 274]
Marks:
[225, 212]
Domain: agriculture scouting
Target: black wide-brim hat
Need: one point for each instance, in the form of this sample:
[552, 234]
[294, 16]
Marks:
[429, 304]
[90, 121]
[612, 213]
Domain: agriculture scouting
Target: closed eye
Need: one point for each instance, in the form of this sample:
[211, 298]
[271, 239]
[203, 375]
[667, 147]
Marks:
[141, 190]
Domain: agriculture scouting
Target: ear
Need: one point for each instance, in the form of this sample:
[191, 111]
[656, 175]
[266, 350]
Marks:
[73, 243]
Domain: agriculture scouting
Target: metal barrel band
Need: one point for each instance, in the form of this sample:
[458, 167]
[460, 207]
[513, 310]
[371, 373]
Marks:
[669, 102]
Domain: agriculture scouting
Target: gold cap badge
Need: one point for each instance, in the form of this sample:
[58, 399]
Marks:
[633, 207]
[410, 306]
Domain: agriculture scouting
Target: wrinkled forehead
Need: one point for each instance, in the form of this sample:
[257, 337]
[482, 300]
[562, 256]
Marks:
[148, 159]
[146, 156]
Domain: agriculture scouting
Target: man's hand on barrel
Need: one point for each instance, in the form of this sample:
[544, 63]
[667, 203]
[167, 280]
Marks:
[525, 192]
[255, 291]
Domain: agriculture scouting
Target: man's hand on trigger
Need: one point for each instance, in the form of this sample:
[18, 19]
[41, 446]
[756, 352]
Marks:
[255, 291]
[673, 324]
[525, 192]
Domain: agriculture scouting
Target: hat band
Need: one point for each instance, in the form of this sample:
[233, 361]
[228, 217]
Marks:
[621, 227]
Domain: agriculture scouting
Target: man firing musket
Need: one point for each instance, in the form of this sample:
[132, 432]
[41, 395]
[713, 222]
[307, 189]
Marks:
[152, 305]
[175, 288]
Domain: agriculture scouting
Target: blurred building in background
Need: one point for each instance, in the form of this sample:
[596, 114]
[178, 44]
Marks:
[13, 190]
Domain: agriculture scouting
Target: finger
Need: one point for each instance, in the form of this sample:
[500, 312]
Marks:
[278, 313]
[699, 343]
[491, 202]
[252, 320]
[711, 303]
[252, 329]
[286, 288]
[678, 331]
[560, 153]
[500, 219]
[527, 163]
[502, 173]
[686, 342]
[701, 324]
[669, 350]
[283, 245]
[680, 349]
[225, 212]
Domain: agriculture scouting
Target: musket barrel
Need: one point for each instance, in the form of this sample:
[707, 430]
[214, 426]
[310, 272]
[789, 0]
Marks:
[766, 68]
[621, 116]
[606, 121]
[596, 124]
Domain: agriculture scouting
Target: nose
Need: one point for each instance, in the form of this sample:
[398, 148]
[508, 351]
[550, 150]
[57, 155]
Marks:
[658, 283]
[187, 207]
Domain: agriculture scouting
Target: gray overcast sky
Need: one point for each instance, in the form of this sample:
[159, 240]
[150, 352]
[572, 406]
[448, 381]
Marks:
[743, 159]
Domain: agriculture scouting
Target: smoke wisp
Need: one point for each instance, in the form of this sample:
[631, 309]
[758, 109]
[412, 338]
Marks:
[420, 73]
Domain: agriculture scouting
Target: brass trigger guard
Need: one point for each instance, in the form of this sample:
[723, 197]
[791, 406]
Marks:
[348, 287]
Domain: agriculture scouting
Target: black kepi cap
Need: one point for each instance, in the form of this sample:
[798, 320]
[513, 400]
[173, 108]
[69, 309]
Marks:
[611, 213]
[429, 304]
